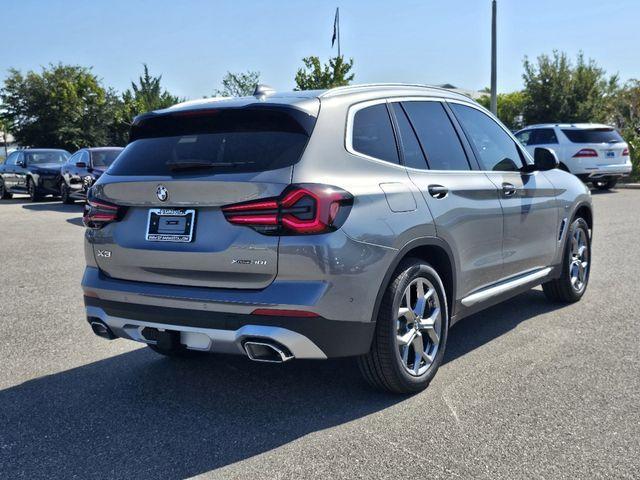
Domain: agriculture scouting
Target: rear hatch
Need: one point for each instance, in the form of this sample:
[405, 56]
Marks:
[171, 182]
[605, 141]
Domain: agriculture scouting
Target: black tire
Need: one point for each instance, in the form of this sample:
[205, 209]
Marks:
[562, 289]
[382, 367]
[4, 195]
[178, 352]
[64, 194]
[34, 192]
[605, 185]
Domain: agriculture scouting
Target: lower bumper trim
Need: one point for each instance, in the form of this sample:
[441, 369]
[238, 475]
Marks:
[306, 337]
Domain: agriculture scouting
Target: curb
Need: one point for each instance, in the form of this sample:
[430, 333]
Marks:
[635, 186]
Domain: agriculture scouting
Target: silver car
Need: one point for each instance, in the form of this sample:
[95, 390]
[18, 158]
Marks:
[359, 221]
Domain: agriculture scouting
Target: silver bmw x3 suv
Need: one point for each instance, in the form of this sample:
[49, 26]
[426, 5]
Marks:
[359, 221]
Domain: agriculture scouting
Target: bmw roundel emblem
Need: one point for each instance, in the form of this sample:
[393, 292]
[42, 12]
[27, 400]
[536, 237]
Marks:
[162, 193]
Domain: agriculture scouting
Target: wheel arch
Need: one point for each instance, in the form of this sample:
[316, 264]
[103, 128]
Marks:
[585, 211]
[438, 254]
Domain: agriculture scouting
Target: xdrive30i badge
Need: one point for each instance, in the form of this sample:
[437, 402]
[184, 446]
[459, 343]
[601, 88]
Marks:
[244, 261]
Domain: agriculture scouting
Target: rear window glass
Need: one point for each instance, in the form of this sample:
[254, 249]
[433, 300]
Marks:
[412, 153]
[103, 158]
[437, 136]
[373, 133]
[222, 140]
[593, 135]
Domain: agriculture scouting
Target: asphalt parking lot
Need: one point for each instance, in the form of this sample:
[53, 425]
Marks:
[529, 389]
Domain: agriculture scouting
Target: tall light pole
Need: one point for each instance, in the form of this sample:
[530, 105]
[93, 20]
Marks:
[494, 92]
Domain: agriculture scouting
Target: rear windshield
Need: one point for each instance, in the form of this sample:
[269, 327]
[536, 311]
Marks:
[593, 135]
[104, 158]
[222, 140]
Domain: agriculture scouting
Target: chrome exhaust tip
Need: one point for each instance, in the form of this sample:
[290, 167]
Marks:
[261, 351]
[101, 329]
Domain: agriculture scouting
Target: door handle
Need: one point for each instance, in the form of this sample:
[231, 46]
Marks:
[437, 191]
[508, 189]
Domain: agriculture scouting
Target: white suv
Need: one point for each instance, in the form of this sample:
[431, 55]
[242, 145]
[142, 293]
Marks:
[593, 152]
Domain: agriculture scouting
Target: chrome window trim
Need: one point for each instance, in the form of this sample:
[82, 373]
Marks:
[348, 139]
[354, 108]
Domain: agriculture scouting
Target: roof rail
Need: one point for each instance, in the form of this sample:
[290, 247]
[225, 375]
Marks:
[367, 86]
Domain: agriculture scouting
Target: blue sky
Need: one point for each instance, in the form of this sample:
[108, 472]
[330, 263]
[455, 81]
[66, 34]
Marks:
[192, 43]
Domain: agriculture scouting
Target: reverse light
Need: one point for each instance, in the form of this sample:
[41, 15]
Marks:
[98, 213]
[301, 209]
[586, 152]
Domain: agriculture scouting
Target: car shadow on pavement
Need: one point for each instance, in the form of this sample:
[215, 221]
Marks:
[481, 328]
[139, 415]
[53, 207]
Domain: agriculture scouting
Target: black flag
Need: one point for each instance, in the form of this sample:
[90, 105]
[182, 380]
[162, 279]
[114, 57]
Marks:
[335, 29]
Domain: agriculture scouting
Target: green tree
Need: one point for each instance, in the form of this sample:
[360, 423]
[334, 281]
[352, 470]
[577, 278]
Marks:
[626, 116]
[144, 96]
[557, 91]
[238, 84]
[315, 76]
[510, 108]
[63, 106]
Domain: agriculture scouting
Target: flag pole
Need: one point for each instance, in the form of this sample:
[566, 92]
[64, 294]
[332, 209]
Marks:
[338, 14]
[494, 93]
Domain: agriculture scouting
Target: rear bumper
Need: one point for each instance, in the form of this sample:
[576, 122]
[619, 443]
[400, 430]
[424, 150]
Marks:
[304, 337]
[602, 171]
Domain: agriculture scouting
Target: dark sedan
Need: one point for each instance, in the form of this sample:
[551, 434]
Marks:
[83, 169]
[33, 171]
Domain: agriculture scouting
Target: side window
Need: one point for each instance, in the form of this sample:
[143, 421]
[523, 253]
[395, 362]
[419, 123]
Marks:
[412, 153]
[84, 157]
[437, 136]
[525, 137]
[372, 133]
[495, 149]
[545, 136]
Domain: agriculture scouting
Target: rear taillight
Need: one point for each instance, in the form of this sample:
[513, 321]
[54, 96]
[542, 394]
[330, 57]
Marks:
[586, 152]
[301, 209]
[625, 152]
[98, 213]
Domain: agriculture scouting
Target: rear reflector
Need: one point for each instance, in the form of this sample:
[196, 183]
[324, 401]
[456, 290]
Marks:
[275, 312]
[586, 152]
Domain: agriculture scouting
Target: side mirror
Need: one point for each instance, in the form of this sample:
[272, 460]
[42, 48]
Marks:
[545, 159]
[21, 163]
[81, 165]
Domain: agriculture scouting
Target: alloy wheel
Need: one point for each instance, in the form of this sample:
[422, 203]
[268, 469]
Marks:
[579, 259]
[418, 326]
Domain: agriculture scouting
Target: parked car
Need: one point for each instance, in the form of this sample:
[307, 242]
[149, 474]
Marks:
[359, 221]
[82, 169]
[594, 153]
[34, 171]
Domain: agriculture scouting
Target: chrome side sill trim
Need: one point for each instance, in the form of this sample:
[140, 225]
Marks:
[504, 287]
